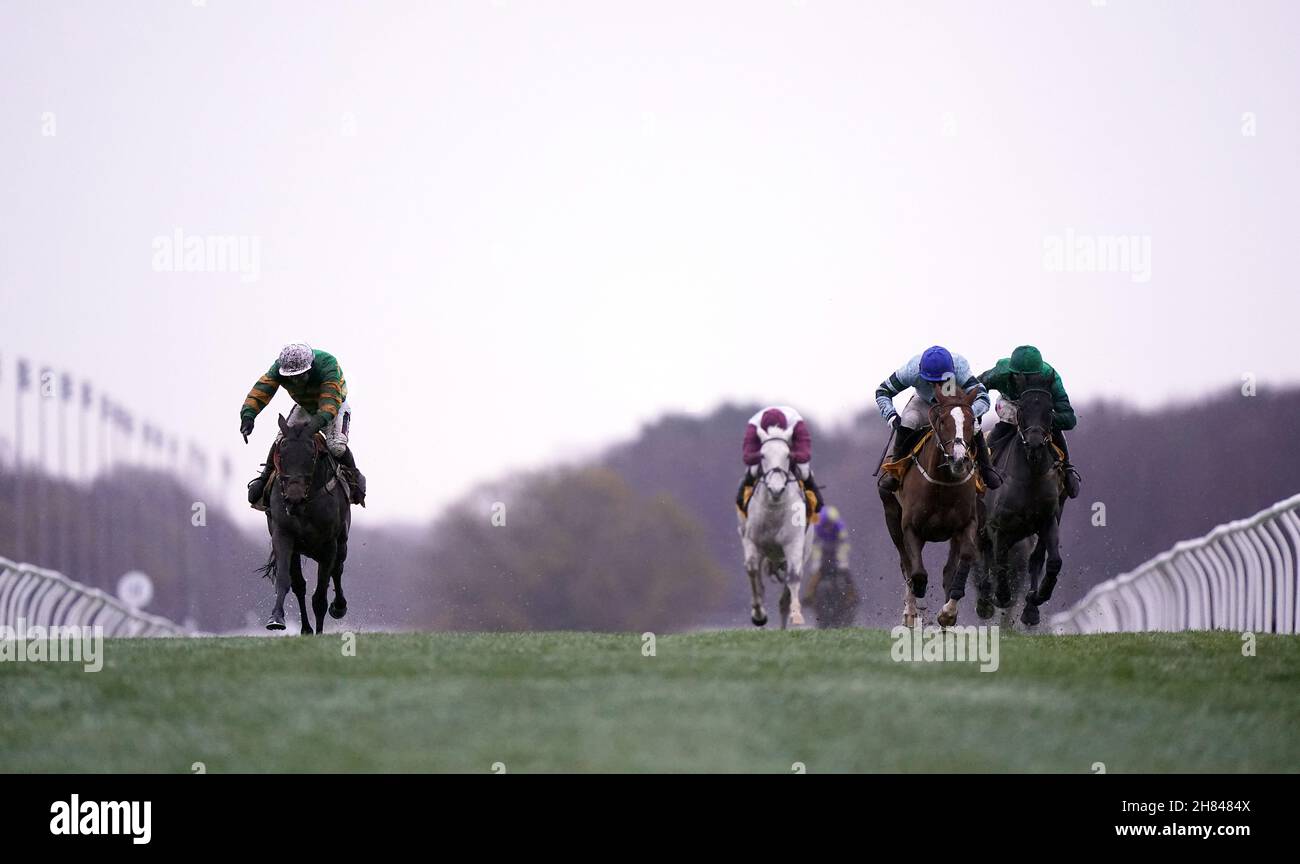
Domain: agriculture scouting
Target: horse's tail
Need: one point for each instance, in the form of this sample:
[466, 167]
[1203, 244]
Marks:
[268, 570]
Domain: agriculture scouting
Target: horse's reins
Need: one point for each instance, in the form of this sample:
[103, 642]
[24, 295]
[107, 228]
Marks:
[1020, 428]
[1045, 429]
[318, 446]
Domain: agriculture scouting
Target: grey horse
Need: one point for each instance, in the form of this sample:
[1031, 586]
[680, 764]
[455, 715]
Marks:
[775, 533]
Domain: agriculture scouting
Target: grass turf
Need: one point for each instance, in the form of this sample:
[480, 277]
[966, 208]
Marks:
[745, 701]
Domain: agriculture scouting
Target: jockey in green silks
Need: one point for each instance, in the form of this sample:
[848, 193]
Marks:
[1009, 378]
[314, 380]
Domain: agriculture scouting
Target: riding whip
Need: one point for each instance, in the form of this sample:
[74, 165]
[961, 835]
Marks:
[893, 430]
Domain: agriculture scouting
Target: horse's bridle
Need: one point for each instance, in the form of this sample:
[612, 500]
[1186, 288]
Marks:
[317, 446]
[945, 445]
[787, 473]
[1020, 427]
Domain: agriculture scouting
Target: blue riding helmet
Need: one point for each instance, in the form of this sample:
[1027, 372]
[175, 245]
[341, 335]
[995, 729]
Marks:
[936, 364]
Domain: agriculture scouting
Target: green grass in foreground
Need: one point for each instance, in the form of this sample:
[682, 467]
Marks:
[723, 701]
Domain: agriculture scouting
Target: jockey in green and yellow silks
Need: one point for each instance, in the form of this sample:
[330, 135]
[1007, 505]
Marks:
[1008, 377]
[314, 380]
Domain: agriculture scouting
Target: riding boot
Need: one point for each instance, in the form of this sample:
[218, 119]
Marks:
[741, 503]
[257, 485]
[1068, 471]
[811, 485]
[356, 480]
[904, 438]
[992, 479]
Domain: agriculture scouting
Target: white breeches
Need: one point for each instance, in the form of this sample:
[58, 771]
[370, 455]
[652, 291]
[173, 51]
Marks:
[916, 413]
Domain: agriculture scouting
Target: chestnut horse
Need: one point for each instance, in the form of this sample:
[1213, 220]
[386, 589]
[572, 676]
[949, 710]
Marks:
[936, 503]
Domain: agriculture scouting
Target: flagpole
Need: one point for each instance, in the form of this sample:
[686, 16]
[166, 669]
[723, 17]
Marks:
[83, 469]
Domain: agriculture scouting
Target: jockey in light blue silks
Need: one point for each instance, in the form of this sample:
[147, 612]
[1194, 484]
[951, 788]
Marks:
[924, 372]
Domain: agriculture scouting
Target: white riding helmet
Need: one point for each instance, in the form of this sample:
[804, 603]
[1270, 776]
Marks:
[295, 358]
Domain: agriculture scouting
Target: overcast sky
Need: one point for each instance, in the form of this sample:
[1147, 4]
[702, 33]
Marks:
[525, 229]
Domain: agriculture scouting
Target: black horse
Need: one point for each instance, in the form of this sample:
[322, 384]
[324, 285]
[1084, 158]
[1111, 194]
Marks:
[1027, 505]
[309, 514]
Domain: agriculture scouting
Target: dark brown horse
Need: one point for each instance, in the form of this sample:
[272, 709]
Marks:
[936, 503]
[309, 515]
[1026, 507]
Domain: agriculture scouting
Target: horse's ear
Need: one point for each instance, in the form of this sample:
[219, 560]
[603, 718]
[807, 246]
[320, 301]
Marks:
[284, 425]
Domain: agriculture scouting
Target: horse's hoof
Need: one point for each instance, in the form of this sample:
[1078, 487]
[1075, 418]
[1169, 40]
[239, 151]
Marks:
[984, 608]
[946, 618]
[796, 620]
[1029, 615]
[758, 621]
[1002, 599]
[338, 610]
[276, 623]
[909, 621]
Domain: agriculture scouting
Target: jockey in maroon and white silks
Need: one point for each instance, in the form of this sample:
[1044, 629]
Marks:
[786, 418]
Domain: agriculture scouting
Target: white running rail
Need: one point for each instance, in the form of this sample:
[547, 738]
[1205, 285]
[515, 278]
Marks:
[46, 598]
[1241, 576]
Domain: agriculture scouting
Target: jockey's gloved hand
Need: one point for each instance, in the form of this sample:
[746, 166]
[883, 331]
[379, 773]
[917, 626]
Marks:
[318, 422]
[894, 420]
[245, 426]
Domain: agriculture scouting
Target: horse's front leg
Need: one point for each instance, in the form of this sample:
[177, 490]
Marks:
[999, 570]
[299, 585]
[320, 597]
[282, 546]
[948, 614]
[794, 580]
[961, 555]
[339, 605]
[753, 569]
[1050, 539]
[894, 524]
[916, 577]
[984, 607]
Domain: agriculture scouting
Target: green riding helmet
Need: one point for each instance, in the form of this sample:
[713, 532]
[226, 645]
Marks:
[1028, 360]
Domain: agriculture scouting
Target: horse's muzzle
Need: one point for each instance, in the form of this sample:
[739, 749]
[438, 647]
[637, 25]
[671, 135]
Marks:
[295, 492]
